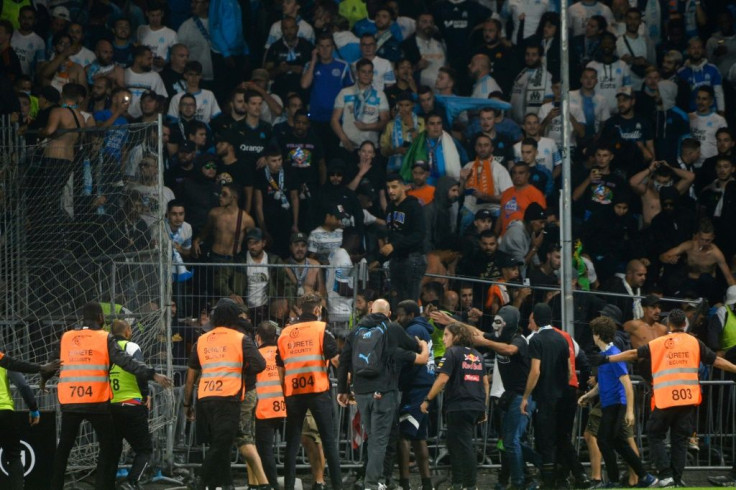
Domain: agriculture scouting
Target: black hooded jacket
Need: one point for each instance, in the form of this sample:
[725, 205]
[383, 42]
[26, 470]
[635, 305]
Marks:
[200, 194]
[439, 216]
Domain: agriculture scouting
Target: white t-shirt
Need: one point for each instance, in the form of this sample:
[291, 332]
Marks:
[266, 115]
[183, 238]
[322, 242]
[554, 128]
[138, 83]
[207, 107]
[485, 86]
[501, 182]
[340, 272]
[435, 53]
[159, 41]
[610, 79]
[532, 10]
[703, 129]
[383, 73]
[84, 57]
[305, 32]
[531, 87]
[30, 50]
[152, 208]
[579, 13]
[548, 155]
[257, 274]
[640, 47]
[199, 47]
[357, 107]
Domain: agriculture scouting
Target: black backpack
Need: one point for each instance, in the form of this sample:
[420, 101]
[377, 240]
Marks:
[369, 346]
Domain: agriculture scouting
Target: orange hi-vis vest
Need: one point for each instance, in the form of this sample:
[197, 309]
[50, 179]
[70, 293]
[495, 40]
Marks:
[675, 362]
[305, 367]
[271, 404]
[571, 347]
[85, 365]
[220, 353]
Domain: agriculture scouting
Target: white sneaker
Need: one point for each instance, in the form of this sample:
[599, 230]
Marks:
[666, 482]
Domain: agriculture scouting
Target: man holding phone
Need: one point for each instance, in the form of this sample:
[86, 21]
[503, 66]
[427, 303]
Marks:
[597, 189]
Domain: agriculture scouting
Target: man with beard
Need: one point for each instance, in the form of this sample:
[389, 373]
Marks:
[613, 73]
[308, 279]
[335, 193]
[532, 86]
[629, 284]
[229, 168]
[635, 49]
[187, 110]
[276, 202]
[173, 72]
[651, 180]
[516, 199]
[139, 77]
[441, 216]
[724, 145]
[504, 63]
[200, 192]
[704, 123]
[481, 264]
[425, 49]
[483, 180]
[698, 73]
[524, 237]
[502, 147]
[104, 67]
[630, 129]
[231, 120]
[150, 108]
[647, 328]
[99, 95]
[304, 160]
[404, 246]
[286, 57]
[546, 274]
[28, 45]
[479, 70]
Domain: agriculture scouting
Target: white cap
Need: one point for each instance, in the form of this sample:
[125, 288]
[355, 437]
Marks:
[731, 295]
[61, 13]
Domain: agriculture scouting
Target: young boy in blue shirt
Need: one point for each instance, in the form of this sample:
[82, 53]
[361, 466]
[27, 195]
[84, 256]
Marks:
[617, 405]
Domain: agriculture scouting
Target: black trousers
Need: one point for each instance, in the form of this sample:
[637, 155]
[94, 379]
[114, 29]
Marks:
[321, 406]
[102, 424]
[131, 424]
[567, 457]
[265, 432]
[460, 428]
[680, 421]
[10, 444]
[222, 421]
[611, 440]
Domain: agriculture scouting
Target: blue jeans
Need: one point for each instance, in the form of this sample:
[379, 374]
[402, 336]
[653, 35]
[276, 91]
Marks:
[513, 428]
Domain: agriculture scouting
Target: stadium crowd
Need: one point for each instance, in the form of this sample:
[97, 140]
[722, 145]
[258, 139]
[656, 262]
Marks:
[304, 137]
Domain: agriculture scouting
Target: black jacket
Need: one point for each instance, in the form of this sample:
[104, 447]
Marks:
[406, 227]
[397, 343]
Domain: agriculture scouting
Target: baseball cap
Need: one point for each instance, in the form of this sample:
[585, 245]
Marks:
[731, 295]
[650, 300]
[254, 234]
[626, 91]
[61, 13]
[506, 260]
[483, 214]
[298, 237]
[204, 159]
[338, 211]
[421, 164]
[336, 165]
[260, 74]
[149, 93]
[614, 313]
[187, 146]
[534, 212]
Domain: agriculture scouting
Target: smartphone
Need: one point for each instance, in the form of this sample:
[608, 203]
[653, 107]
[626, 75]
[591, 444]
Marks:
[556, 104]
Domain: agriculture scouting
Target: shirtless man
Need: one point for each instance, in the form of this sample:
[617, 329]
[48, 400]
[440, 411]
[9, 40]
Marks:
[647, 328]
[648, 182]
[308, 280]
[222, 223]
[703, 256]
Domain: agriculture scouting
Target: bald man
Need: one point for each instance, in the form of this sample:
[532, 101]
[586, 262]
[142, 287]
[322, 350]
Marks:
[630, 284]
[376, 381]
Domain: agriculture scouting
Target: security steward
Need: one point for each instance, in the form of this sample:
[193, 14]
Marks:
[304, 351]
[271, 406]
[10, 370]
[87, 352]
[676, 394]
[129, 407]
[224, 356]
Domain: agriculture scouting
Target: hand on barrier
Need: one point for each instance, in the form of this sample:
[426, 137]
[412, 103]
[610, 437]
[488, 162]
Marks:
[162, 380]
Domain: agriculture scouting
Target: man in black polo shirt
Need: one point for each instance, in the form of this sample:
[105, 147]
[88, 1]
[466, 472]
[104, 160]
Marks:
[633, 131]
[548, 380]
